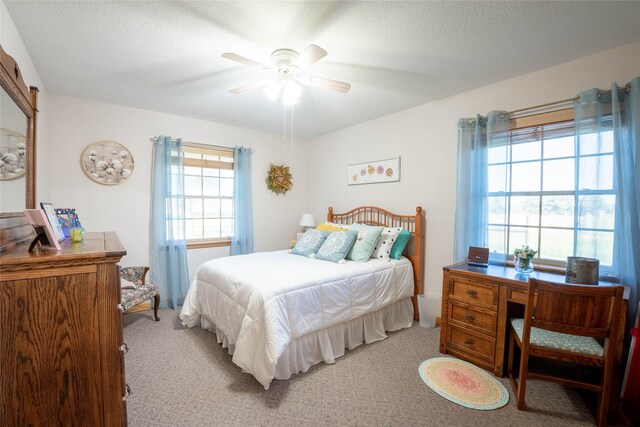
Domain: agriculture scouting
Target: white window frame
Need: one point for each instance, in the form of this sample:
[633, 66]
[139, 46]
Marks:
[211, 150]
[561, 116]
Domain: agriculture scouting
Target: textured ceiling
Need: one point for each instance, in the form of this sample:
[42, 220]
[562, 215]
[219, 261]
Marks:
[165, 56]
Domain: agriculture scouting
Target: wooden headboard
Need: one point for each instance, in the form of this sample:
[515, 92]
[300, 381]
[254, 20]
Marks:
[372, 215]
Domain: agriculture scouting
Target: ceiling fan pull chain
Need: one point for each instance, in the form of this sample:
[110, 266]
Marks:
[284, 136]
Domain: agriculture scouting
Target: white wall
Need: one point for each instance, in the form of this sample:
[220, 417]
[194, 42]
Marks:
[124, 208]
[425, 138]
[13, 45]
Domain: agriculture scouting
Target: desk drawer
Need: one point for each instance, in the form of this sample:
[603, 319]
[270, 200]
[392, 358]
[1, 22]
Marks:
[474, 293]
[483, 321]
[476, 344]
[518, 296]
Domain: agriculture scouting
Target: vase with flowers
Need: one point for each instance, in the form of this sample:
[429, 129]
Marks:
[522, 259]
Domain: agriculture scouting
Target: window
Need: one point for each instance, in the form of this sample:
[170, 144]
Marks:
[552, 194]
[208, 194]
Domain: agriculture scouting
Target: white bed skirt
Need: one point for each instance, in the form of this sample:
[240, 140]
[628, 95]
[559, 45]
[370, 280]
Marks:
[328, 344]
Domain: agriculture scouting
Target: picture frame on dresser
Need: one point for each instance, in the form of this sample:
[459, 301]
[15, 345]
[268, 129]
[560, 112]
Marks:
[44, 233]
[50, 212]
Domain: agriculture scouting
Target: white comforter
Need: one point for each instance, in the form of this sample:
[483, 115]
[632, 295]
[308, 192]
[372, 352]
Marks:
[263, 301]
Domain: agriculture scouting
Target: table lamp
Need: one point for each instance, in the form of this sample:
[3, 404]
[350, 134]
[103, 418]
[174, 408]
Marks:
[307, 221]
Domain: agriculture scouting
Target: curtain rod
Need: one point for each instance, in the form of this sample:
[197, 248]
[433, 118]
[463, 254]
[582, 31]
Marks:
[200, 145]
[626, 89]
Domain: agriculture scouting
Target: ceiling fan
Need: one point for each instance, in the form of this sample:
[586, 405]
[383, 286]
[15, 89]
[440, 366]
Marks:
[288, 70]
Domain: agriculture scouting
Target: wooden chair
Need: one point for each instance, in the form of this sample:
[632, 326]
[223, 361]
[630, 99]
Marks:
[143, 291]
[562, 322]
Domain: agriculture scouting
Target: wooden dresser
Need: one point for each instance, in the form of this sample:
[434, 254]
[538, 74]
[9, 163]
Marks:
[61, 347]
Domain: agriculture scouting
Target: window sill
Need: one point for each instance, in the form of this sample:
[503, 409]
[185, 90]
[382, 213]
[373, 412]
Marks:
[544, 267]
[208, 244]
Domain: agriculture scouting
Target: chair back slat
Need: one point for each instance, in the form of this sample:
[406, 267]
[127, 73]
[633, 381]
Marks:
[584, 310]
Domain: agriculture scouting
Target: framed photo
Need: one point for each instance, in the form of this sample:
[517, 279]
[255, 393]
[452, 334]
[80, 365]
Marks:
[50, 212]
[68, 219]
[374, 172]
[40, 223]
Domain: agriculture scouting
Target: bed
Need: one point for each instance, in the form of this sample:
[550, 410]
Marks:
[278, 314]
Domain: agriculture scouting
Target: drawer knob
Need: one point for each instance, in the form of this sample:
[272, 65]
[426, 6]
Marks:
[124, 348]
[471, 318]
[128, 393]
[468, 341]
[472, 293]
[121, 307]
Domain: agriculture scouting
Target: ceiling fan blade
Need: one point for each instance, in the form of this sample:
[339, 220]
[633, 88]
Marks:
[336, 85]
[246, 61]
[251, 86]
[309, 56]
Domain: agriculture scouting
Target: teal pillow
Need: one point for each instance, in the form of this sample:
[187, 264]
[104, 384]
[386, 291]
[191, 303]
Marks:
[310, 242]
[400, 244]
[337, 246]
[365, 242]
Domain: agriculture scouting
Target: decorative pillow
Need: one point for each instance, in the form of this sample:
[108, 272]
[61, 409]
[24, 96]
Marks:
[400, 244]
[337, 246]
[310, 242]
[330, 227]
[367, 238]
[382, 249]
[126, 284]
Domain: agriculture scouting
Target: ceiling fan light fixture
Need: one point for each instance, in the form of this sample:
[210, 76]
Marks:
[272, 91]
[291, 92]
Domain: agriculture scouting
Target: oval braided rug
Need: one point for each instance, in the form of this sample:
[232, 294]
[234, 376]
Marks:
[463, 383]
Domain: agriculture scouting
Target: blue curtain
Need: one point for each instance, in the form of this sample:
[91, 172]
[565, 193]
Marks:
[242, 241]
[478, 205]
[603, 118]
[169, 269]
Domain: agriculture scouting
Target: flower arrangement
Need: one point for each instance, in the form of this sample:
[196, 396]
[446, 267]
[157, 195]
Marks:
[522, 258]
[525, 252]
[279, 179]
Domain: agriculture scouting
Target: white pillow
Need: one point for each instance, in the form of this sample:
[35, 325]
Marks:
[125, 284]
[383, 245]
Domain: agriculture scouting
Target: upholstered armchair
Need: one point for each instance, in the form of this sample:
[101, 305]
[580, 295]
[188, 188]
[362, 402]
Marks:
[142, 292]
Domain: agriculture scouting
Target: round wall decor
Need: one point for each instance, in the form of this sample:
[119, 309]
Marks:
[279, 179]
[12, 154]
[107, 162]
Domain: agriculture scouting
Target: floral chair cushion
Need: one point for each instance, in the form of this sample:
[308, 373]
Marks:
[559, 341]
[142, 292]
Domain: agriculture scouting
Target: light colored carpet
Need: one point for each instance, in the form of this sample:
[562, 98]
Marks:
[181, 376]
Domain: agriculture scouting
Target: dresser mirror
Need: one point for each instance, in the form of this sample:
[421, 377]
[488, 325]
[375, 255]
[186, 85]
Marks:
[17, 139]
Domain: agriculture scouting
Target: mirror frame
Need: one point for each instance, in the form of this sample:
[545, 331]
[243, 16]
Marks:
[27, 100]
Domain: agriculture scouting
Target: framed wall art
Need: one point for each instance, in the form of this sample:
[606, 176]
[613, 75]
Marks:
[107, 162]
[12, 154]
[374, 172]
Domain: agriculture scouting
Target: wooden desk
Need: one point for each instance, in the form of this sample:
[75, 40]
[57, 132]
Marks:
[477, 303]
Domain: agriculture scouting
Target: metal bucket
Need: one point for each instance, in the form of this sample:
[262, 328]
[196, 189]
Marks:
[583, 271]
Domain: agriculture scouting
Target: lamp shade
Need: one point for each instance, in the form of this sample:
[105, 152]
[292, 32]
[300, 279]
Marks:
[307, 220]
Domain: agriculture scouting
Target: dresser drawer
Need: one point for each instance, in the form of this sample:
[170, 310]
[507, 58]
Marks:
[473, 317]
[476, 344]
[474, 293]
